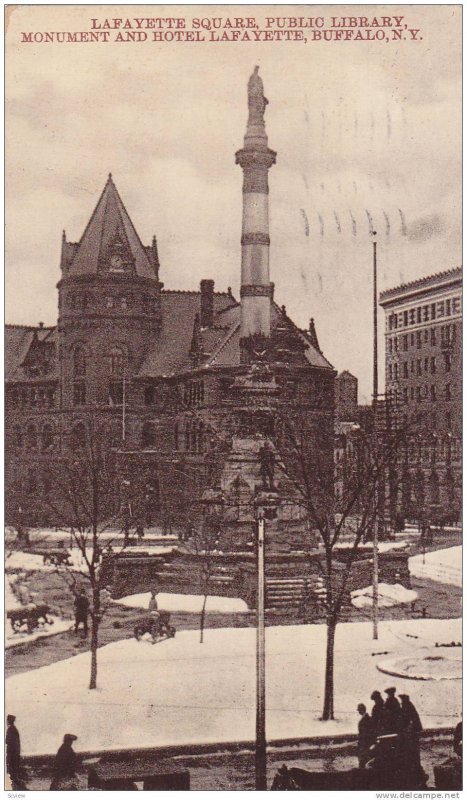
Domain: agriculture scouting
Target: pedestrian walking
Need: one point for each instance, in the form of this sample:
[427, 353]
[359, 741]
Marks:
[410, 728]
[377, 713]
[366, 735]
[392, 712]
[81, 612]
[13, 753]
[65, 765]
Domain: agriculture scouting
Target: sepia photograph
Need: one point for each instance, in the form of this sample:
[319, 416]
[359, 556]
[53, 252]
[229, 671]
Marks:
[233, 398]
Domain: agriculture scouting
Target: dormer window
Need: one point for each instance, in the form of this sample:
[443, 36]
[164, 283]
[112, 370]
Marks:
[117, 263]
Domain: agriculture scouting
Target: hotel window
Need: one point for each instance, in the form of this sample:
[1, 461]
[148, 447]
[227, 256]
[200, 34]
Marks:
[396, 344]
[426, 313]
[405, 342]
[419, 314]
[406, 317]
[440, 309]
[433, 365]
[433, 392]
[448, 308]
[390, 372]
[433, 336]
[390, 345]
[412, 339]
[426, 335]
[433, 311]
[405, 368]
[412, 392]
[447, 362]
[447, 392]
[456, 305]
[396, 372]
[406, 394]
[419, 339]
[419, 366]
[412, 316]
[412, 367]
[426, 364]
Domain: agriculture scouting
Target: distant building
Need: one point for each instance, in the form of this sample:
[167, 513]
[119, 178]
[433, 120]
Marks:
[423, 374]
[346, 397]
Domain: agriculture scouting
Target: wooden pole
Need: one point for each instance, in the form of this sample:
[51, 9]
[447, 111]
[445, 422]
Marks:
[260, 754]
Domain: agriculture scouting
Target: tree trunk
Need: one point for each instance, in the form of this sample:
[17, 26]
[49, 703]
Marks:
[95, 620]
[202, 619]
[328, 707]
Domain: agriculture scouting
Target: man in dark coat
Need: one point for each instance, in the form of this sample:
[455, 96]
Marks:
[377, 713]
[366, 735]
[411, 727]
[13, 751]
[81, 612]
[392, 711]
[65, 765]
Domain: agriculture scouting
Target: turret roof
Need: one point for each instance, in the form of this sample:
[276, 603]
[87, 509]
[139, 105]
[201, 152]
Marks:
[109, 222]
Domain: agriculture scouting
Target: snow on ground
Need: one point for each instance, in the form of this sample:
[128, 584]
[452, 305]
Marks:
[14, 639]
[33, 561]
[431, 664]
[444, 566]
[187, 603]
[383, 547]
[389, 594]
[181, 691]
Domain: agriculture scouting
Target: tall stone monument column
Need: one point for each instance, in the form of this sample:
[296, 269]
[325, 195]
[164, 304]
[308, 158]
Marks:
[255, 159]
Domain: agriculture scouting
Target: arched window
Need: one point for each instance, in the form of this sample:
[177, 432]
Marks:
[31, 436]
[47, 437]
[78, 436]
[79, 361]
[17, 436]
[116, 361]
[148, 435]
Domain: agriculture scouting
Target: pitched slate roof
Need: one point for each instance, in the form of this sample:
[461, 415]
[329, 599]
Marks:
[18, 341]
[171, 353]
[109, 222]
[220, 343]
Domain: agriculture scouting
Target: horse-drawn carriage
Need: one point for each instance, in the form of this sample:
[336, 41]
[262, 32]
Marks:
[157, 626]
[57, 558]
[29, 617]
[390, 768]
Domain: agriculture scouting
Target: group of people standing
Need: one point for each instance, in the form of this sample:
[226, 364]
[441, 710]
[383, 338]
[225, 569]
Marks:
[390, 717]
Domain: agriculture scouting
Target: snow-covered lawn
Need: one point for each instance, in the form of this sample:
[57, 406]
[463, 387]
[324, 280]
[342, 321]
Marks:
[187, 603]
[181, 691]
[32, 561]
[444, 566]
[383, 547]
[389, 595]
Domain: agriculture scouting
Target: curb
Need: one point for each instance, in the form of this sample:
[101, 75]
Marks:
[299, 746]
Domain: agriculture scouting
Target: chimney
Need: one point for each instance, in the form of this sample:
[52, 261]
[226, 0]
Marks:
[41, 325]
[207, 303]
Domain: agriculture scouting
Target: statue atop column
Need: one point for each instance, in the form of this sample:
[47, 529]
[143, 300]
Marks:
[256, 100]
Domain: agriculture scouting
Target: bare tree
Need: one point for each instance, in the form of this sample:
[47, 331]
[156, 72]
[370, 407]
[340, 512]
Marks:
[306, 455]
[91, 494]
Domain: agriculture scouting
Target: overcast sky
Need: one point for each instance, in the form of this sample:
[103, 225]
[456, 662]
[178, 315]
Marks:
[367, 134]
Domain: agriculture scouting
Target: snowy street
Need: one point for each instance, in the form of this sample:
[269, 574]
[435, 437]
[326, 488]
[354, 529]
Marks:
[165, 694]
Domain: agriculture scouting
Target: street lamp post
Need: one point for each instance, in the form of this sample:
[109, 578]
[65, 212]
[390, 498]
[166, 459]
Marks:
[375, 441]
[260, 760]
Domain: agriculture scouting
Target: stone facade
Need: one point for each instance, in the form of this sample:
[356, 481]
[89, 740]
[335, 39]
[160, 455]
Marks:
[423, 374]
[187, 390]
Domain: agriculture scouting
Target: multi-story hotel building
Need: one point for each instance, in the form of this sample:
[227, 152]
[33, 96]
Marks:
[423, 373]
